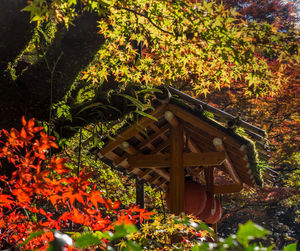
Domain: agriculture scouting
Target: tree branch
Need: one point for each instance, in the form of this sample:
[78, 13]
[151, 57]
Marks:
[148, 18]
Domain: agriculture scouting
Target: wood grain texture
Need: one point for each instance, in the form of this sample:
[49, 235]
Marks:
[176, 171]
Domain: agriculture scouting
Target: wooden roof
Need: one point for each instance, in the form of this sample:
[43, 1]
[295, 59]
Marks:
[144, 148]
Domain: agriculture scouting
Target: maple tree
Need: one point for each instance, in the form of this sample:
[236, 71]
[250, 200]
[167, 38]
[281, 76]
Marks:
[279, 13]
[204, 45]
[43, 194]
[275, 112]
[59, 69]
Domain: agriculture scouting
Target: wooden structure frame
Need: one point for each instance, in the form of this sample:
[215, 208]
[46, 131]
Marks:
[183, 142]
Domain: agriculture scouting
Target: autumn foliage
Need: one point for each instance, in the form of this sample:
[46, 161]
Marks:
[43, 194]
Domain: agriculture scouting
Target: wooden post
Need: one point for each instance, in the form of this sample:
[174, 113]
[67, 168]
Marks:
[209, 177]
[176, 170]
[140, 198]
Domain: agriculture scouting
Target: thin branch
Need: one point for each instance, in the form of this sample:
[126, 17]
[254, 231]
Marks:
[148, 18]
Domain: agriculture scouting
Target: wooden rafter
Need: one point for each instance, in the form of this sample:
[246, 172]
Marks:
[189, 160]
[197, 137]
[196, 121]
[218, 143]
[131, 131]
[154, 178]
[159, 132]
[144, 174]
[170, 117]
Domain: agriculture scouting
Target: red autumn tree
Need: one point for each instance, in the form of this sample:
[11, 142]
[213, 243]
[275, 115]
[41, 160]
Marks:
[43, 194]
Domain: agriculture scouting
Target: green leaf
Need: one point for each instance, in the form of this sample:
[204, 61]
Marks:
[202, 247]
[291, 247]
[87, 240]
[135, 101]
[94, 105]
[64, 110]
[149, 90]
[132, 246]
[72, 1]
[146, 115]
[123, 230]
[250, 231]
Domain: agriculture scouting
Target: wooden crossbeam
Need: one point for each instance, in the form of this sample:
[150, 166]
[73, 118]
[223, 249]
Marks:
[229, 188]
[132, 150]
[189, 160]
[149, 160]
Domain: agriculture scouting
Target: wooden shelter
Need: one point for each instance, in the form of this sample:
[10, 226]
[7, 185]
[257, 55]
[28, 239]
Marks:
[188, 138]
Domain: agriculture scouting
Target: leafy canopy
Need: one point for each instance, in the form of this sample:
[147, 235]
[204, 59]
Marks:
[203, 44]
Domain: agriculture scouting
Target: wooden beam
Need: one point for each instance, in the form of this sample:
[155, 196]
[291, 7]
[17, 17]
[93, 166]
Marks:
[145, 173]
[161, 147]
[160, 131]
[216, 111]
[132, 130]
[189, 160]
[229, 188]
[209, 177]
[218, 143]
[170, 117]
[176, 171]
[128, 148]
[154, 178]
[194, 149]
[162, 173]
[133, 167]
[198, 122]
[122, 160]
[149, 160]
[160, 183]
[140, 196]
[203, 159]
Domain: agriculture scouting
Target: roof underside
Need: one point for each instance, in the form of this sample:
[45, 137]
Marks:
[149, 137]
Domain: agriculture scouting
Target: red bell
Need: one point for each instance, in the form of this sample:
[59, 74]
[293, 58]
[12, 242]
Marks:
[209, 209]
[217, 214]
[194, 198]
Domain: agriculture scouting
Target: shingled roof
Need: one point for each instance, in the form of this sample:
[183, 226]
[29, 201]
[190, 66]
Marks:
[210, 140]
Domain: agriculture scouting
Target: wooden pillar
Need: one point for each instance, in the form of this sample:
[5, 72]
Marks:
[209, 177]
[140, 197]
[176, 170]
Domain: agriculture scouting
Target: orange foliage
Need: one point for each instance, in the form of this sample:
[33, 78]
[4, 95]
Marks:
[44, 194]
